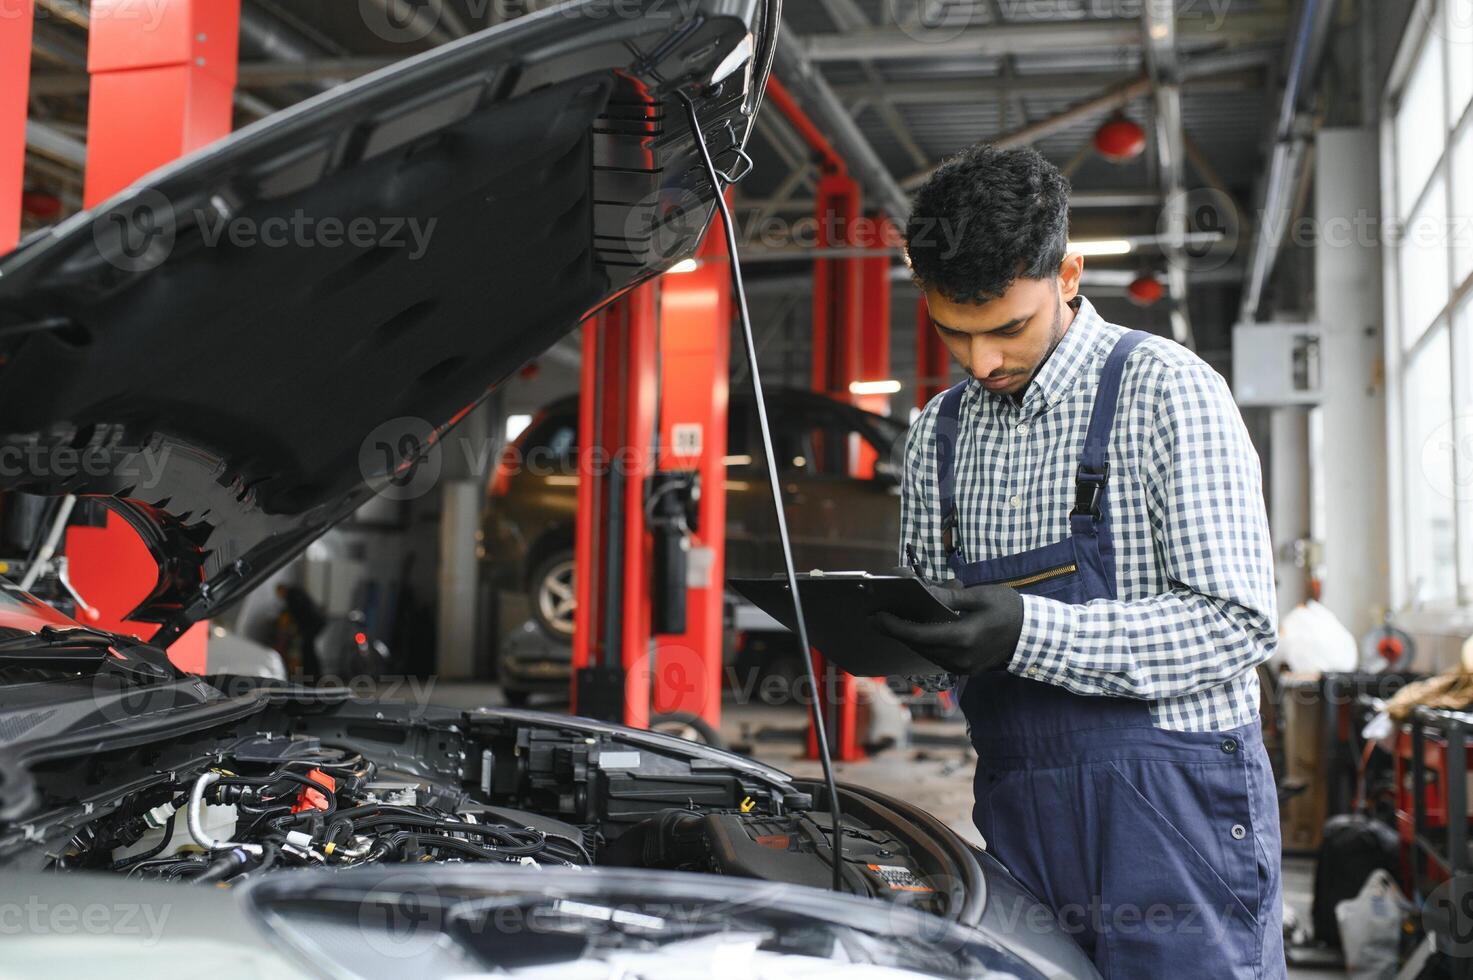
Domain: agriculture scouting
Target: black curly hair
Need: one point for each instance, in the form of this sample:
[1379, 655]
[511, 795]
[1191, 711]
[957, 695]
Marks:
[985, 219]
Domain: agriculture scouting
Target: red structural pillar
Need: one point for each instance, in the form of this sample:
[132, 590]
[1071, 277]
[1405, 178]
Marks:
[933, 362]
[616, 429]
[877, 235]
[838, 340]
[16, 18]
[163, 78]
[837, 296]
[695, 355]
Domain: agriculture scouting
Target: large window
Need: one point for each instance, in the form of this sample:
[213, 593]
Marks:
[1429, 203]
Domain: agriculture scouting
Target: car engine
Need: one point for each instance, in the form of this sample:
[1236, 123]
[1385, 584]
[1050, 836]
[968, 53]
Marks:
[349, 784]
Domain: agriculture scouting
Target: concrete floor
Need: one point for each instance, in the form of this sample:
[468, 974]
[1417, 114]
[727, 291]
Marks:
[933, 772]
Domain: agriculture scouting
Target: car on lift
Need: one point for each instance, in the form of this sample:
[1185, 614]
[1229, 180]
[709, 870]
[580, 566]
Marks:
[233, 403]
[837, 519]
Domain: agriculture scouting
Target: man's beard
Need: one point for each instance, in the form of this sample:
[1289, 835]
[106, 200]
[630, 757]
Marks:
[1056, 333]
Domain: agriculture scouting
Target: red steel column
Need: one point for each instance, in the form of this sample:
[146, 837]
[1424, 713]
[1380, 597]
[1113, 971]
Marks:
[875, 234]
[838, 337]
[16, 18]
[836, 289]
[695, 356]
[611, 626]
[163, 78]
[933, 362]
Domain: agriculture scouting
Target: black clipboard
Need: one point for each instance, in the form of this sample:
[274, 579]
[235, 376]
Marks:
[838, 606]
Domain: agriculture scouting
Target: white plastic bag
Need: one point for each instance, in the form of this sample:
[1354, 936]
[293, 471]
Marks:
[1313, 641]
[1370, 928]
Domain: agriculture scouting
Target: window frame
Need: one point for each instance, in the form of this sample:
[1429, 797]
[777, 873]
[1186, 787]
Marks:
[1401, 349]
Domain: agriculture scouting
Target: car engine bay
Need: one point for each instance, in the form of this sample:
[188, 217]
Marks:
[338, 783]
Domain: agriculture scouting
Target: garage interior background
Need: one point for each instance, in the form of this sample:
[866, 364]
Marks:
[1264, 124]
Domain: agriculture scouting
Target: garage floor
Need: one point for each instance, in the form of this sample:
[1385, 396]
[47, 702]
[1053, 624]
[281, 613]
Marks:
[934, 772]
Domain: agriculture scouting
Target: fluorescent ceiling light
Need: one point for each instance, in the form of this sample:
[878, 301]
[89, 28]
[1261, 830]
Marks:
[874, 387]
[1107, 246]
[684, 265]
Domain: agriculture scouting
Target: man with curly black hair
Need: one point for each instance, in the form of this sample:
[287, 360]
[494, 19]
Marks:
[1091, 501]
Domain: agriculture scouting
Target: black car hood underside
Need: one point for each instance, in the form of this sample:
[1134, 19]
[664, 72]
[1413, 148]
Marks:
[220, 396]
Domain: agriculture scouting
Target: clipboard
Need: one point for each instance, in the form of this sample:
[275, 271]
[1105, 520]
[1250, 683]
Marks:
[838, 606]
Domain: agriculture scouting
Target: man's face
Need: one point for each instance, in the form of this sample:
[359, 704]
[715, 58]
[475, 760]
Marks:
[1003, 342]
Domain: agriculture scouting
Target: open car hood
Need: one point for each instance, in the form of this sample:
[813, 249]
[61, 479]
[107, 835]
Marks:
[215, 354]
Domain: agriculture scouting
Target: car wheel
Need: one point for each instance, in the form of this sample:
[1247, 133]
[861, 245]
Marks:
[516, 698]
[692, 728]
[553, 596]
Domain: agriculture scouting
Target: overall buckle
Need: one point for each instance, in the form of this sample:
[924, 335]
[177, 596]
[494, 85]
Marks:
[948, 539]
[1089, 491]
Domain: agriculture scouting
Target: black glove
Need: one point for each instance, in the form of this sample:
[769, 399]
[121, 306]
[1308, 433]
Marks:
[984, 638]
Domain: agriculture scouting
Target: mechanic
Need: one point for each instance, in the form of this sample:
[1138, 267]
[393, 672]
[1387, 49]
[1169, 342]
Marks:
[1091, 498]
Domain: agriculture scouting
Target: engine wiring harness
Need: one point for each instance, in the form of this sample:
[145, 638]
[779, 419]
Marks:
[330, 809]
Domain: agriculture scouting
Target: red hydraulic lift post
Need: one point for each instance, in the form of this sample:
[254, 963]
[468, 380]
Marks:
[837, 343]
[876, 234]
[612, 551]
[163, 79]
[16, 19]
[933, 363]
[695, 355]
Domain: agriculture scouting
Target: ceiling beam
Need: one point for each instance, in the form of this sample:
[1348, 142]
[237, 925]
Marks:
[812, 91]
[1044, 37]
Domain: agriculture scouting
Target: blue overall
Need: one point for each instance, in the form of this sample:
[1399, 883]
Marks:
[1158, 850]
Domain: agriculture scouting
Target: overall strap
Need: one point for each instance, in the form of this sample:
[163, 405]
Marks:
[948, 425]
[1094, 466]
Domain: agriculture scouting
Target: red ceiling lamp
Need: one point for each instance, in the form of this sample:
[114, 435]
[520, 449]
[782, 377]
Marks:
[1120, 139]
[40, 206]
[1146, 290]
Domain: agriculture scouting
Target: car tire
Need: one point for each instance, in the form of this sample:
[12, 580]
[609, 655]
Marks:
[692, 728]
[516, 697]
[551, 595]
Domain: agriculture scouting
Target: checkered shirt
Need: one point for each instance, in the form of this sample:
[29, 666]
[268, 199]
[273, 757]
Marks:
[1196, 608]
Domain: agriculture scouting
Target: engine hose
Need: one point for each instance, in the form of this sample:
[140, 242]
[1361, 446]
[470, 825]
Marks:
[510, 842]
[195, 813]
[152, 852]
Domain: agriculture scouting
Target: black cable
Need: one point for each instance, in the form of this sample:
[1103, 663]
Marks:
[152, 852]
[777, 500]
